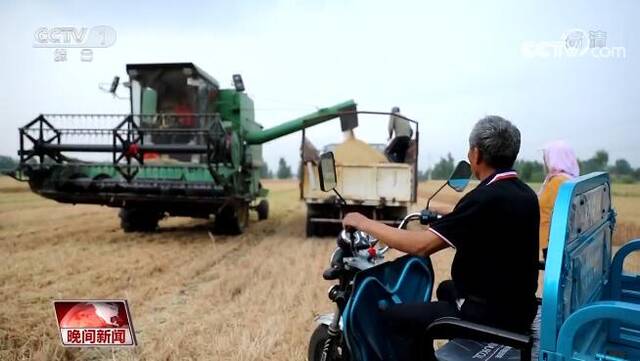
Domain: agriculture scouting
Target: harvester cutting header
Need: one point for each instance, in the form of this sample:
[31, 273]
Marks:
[187, 148]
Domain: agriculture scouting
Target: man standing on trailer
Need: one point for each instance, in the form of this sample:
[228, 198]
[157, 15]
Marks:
[397, 149]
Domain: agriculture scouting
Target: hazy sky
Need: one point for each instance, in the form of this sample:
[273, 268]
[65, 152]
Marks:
[444, 63]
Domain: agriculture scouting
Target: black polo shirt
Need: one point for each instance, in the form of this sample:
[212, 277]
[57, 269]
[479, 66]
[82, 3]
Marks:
[494, 229]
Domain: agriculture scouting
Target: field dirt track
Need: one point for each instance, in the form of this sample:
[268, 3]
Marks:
[192, 296]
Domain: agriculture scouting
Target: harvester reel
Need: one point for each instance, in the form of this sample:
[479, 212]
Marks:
[123, 161]
[43, 126]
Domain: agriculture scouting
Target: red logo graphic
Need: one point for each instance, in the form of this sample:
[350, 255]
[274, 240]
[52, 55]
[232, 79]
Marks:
[87, 323]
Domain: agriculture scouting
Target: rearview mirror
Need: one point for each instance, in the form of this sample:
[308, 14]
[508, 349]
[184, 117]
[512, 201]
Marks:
[238, 83]
[114, 84]
[327, 172]
[459, 178]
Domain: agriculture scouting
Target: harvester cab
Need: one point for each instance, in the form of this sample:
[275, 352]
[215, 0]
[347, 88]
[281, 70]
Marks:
[167, 96]
[187, 148]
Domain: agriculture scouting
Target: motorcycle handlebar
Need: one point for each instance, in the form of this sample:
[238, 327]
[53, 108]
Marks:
[428, 216]
[410, 217]
[345, 241]
[353, 240]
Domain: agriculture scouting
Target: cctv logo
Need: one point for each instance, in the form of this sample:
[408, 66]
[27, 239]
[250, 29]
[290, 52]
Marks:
[71, 37]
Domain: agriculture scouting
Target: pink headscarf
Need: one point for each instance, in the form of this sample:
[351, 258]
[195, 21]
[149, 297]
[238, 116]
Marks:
[560, 158]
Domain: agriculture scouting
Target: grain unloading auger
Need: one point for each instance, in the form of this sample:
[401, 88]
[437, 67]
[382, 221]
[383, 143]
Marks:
[188, 148]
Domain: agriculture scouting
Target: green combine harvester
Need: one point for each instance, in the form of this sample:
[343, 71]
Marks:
[188, 148]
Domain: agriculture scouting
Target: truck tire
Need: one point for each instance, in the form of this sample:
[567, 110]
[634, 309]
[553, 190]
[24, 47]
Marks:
[322, 228]
[311, 227]
[263, 210]
[232, 219]
[138, 220]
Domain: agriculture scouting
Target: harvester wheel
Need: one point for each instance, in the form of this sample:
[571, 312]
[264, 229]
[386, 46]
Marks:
[263, 210]
[232, 220]
[138, 220]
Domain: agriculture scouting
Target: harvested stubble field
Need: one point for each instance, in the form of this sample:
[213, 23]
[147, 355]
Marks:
[192, 296]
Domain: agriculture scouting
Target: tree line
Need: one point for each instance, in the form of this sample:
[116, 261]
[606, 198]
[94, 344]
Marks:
[533, 170]
[7, 163]
[283, 171]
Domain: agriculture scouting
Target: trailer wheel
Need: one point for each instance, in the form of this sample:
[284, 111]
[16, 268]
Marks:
[139, 220]
[263, 210]
[232, 219]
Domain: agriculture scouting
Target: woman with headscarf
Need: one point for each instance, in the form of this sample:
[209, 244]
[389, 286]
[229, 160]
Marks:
[560, 164]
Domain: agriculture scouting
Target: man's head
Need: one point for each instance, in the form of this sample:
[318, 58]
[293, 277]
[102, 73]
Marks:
[395, 110]
[494, 143]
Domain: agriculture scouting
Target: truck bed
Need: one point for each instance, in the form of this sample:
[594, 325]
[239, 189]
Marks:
[377, 184]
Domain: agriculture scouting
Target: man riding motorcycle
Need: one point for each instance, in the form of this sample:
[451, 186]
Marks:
[494, 229]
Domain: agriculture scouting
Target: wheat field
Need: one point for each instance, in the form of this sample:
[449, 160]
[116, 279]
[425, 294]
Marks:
[193, 296]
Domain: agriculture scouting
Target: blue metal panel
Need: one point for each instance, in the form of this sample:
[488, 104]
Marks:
[579, 249]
